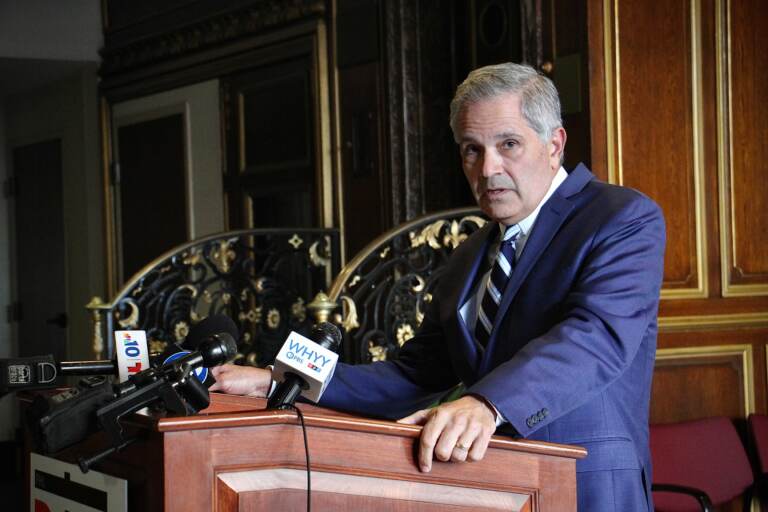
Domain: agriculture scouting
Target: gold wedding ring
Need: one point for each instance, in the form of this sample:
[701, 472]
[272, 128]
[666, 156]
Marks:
[462, 447]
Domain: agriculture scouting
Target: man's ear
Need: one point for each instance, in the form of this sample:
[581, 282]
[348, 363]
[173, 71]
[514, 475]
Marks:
[556, 147]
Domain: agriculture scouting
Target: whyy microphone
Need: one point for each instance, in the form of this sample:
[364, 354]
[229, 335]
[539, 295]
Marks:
[305, 366]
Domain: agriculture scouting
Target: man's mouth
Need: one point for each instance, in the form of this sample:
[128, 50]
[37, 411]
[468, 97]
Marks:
[492, 193]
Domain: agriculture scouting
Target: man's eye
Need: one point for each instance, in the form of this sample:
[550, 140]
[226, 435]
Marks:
[509, 144]
[470, 150]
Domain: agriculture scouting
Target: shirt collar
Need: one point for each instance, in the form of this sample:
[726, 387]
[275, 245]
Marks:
[527, 223]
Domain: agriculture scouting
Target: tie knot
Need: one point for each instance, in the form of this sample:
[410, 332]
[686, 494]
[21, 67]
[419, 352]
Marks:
[510, 234]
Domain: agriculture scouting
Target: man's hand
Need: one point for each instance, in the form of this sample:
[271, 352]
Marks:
[455, 431]
[241, 380]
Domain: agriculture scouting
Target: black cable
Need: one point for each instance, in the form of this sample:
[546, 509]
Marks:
[306, 451]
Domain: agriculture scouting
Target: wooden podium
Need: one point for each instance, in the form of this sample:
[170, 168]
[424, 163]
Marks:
[235, 456]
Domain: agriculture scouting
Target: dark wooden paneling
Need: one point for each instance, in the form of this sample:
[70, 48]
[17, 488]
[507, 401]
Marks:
[152, 190]
[688, 387]
[708, 344]
[366, 201]
[270, 140]
[656, 122]
[748, 193]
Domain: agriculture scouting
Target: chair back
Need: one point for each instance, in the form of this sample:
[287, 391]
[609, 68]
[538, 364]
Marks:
[758, 429]
[705, 454]
[384, 289]
[261, 278]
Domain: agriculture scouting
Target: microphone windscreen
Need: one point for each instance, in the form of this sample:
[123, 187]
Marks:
[207, 327]
[327, 335]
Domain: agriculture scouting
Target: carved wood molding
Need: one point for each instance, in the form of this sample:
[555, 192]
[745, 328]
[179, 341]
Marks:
[402, 55]
[254, 19]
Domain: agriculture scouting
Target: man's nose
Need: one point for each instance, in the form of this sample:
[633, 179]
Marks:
[491, 163]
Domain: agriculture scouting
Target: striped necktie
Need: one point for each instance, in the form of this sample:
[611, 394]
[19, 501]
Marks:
[500, 274]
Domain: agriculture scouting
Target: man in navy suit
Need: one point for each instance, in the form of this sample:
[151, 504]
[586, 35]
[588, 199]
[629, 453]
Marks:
[547, 316]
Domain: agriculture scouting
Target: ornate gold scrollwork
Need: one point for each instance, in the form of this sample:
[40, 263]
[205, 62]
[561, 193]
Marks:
[259, 285]
[378, 353]
[273, 318]
[299, 310]
[349, 313]
[192, 258]
[384, 252]
[133, 318]
[454, 237]
[157, 346]
[226, 297]
[429, 235]
[253, 315]
[98, 339]
[295, 241]
[404, 333]
[316, 258]
[354, 281]
[321, 307]
[223, 255]
[192, 289]
[180, 330]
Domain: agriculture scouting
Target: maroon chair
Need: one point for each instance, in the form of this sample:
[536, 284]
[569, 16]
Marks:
[758, 431]
[698, 464]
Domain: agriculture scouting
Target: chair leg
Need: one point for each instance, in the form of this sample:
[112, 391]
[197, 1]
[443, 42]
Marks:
[748, 496]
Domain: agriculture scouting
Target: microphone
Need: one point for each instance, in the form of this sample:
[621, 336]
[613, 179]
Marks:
[305, 366]
[38, 372]
[61, 420]
[199, 333]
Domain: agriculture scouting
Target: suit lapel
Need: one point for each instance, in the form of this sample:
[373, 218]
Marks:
[477, 249]
[551, 216]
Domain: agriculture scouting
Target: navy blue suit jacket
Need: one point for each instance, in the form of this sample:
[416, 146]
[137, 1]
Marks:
[571, 356]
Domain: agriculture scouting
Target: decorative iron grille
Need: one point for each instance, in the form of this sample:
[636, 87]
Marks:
[261, 278]
[384, 290]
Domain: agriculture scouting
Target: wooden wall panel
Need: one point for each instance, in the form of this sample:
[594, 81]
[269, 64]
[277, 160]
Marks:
[655, 105]
[696, 382]
[678, 112]
[744, 124]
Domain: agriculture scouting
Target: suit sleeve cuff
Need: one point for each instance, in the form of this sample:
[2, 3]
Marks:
[500, 420]
[273, 383]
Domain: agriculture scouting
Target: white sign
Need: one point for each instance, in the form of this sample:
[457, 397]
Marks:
[58, 486]
[312, 362]
[132, 353]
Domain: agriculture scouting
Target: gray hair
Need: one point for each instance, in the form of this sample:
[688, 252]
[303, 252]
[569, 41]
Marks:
[539, 101]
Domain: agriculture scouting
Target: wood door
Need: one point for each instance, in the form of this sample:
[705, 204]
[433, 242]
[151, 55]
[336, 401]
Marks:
[40, 256]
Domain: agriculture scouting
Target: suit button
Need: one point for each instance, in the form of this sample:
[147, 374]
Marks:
[530, 422]
[545, 412]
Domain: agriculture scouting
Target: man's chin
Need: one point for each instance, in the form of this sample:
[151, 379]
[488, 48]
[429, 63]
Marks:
[498, 212]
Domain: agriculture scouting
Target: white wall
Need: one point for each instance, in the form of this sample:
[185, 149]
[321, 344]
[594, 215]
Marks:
[50, 29]
[69, 110]
[49, 54]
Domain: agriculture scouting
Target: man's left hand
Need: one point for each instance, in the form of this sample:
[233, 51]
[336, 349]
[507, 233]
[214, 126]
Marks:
[454, 431]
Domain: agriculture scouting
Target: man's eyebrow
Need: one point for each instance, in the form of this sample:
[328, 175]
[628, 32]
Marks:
[498, 136]
[507, 135]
